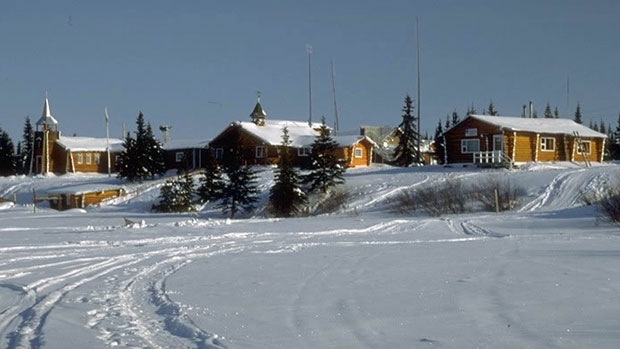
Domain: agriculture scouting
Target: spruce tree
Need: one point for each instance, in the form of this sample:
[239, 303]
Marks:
[556, 113]
[326, 169]
[615, 142]
[211, 183]
[602, 128]
[447, 121]
[406, 152]
[286, 197]
[492, 111]
[127, 164]
[455, 117]
[240, 191]
[439, 146]
[577, 118]
[535, 114]
[25, 153]
[548, 114]
[471, 110]
[523, 111]
[154, 153]
[176, 195]
[7, 155]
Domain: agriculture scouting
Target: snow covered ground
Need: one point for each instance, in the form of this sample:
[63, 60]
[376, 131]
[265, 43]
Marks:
[545, 275]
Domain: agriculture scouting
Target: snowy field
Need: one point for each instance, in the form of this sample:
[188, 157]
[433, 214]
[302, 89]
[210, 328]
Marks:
[543, 276]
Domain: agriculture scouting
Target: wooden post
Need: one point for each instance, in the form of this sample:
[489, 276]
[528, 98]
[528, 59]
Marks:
[496, 200]
[15, 198]
[34, 201]
[537, 147]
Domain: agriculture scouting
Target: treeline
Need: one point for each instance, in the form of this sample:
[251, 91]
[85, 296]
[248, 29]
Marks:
[232, 187]
[16, 161]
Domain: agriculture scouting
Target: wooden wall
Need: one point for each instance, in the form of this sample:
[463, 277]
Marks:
[102, 167]
[455, 135]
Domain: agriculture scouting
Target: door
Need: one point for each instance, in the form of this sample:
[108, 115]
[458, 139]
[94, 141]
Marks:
[498, 143]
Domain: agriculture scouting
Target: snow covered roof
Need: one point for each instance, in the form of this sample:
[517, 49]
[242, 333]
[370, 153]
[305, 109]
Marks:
[543, 125]
[46, 116]
[186, 144]
[90, 144]
[271, 131]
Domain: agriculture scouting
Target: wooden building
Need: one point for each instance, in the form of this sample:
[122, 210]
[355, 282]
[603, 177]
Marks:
[188, 154]
[261, 139]
[514, 140]
[81, 196]
[54, 153]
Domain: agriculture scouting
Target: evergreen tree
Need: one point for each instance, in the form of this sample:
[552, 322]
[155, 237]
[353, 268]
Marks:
[595, 126]
[447, 121]
[591, 125]
[577, 118]
[492, 111]
[535, 114]
[455, 117]
[240, 191]
[176, 194]
[602, 128]
[439, 146]
[7, 154]
[406, 152]
[326, 170]
[286, 197]
[25, 151]
[556, 113]
[211, 184]
[523, 112]
[154, 154]
[127, 165]
[548, 114]
[615, 141]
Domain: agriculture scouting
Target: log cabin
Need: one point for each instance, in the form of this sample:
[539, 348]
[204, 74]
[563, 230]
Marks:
[81, 196]
[188, 154]
[261, 140]
[484, 139]
[54, 153]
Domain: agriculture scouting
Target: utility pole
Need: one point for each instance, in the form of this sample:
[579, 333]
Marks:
[107, 139]
[337, 125]
[417, 32]
[309, 50]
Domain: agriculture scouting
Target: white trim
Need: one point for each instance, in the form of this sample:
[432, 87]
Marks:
[97, 158]
[303, 152]
[178, 158]
[543, 145]
[603, 151]
[80, 158]
[589, 147]
[467, 151]
[361, 152]
[514, 146]
[89, 158]
[537, 147]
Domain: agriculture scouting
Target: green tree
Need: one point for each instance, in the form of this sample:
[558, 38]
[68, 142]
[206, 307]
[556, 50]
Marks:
[143, 156]
[286, 197]
[406, 152]
[176, 195]
[455, 117]
[154, 154]
[7, 155]
[548, 114]
[240, 190]
[439, 146]
[25, 152]
[491, 110]
[556, 113]
[577, 118]
[211, 183]
[326, 169]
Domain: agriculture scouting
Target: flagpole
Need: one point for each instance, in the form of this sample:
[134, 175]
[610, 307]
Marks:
[107, 140]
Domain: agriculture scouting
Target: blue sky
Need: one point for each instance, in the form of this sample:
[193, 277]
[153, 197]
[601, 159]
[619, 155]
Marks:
[198, 64]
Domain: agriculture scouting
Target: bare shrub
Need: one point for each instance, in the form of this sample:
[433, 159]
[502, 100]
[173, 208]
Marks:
[607, 200]
[435, 200]
[332, 202]
[509, 195]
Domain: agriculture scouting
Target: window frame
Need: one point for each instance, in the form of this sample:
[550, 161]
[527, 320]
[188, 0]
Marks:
[97, 158]
[260, 152]
[304, 151]
[80, 158]
[177, 158]
[471, 132]
[89, 158]
[219, 153]
[467, 151]
[361, 152]
[589, 147]
[543, 144]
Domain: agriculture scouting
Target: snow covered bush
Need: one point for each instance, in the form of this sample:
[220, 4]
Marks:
[607, 200]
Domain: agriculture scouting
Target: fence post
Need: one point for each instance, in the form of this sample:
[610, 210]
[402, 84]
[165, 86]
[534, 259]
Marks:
[496, 200]
[34, 201]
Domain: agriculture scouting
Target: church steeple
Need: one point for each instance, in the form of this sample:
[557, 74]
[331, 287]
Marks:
[258, 114]
[47, 121]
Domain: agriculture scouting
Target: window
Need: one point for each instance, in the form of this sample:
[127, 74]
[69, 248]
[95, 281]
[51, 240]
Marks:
[219, 153]
[178, 156]
[469, 146]
[304, 151]
[88, 158]
[80, 158]
[585, 147]
[260, 152]
[97, 158]
[547, 144]
[471, 132]
[359, 152]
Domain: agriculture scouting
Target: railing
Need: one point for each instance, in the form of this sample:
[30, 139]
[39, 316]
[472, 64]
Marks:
[496, 157]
